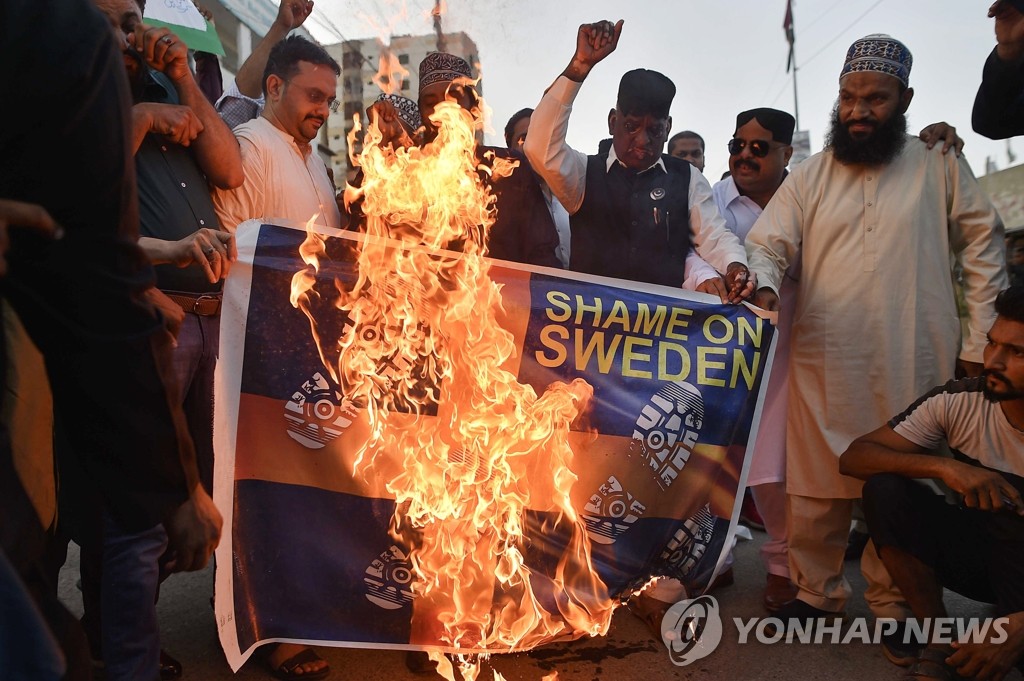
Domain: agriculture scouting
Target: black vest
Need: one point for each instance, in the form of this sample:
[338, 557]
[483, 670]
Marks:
[633, 226]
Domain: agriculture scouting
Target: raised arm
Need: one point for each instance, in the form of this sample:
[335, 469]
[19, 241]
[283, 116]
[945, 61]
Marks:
[561, 167]
[290, 15]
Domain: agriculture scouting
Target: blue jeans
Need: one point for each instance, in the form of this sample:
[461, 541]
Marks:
[121, 581]
[128, 589]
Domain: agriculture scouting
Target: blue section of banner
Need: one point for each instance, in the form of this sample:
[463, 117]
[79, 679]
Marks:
[301, 561]
[629, 344]
[279, 348]
[678, 379]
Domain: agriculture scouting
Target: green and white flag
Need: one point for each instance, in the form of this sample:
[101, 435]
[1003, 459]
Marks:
[182, 17]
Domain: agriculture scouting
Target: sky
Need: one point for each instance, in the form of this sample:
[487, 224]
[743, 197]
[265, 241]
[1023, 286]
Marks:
[725, 56]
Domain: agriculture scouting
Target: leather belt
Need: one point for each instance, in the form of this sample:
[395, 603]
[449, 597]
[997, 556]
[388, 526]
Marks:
[204, 305]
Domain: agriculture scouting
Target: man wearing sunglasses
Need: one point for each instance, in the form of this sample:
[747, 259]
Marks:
[759, 152]
[635, 213]
[874, 221]
[285, 179]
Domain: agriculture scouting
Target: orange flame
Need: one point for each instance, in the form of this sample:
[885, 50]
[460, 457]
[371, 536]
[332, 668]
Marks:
[390, 73]
[352, 136]
[466, 449]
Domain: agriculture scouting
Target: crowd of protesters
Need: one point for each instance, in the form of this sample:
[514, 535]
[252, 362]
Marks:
[111, 296]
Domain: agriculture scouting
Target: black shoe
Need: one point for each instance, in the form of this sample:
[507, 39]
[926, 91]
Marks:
[797, 614]
[855, 545]
[899, 649]
[169, 667]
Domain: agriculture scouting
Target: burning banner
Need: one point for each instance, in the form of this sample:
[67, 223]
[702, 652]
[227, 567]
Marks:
[419, 480]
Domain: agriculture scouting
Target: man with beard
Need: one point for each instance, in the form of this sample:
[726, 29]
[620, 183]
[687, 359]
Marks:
[974, 546]
[759, 152]
[875, 220]
[285, 179]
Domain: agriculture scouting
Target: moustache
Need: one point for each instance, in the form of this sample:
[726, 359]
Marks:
[318, 119]
[986, 373]
[748, 164]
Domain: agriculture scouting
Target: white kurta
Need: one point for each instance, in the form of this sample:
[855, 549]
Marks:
[876, 321]
[284, 181]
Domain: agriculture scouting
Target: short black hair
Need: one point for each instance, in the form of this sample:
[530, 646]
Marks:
[1010, 304]
[511, 125]
[686, 135]
[284, 58]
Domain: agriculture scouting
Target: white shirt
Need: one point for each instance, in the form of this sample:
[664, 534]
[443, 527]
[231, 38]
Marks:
[284, 181]
[876, 321]
[739, 212]
[560, 216]
[565, 171]
[959, 414]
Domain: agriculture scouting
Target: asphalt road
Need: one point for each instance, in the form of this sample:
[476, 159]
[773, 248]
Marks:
[628, 652]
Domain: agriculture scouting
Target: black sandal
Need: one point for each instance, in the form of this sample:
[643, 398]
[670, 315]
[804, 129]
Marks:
[287, 670]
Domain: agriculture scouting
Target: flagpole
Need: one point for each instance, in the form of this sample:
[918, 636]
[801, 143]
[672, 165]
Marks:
[796, 100]
[787, 26]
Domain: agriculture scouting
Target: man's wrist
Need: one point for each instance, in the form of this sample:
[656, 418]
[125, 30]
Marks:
[277, 31]
[577, 71]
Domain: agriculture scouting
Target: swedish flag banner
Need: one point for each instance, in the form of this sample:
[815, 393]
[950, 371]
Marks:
[311, 550]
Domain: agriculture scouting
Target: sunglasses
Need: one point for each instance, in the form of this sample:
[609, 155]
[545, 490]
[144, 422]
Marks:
[758, 148]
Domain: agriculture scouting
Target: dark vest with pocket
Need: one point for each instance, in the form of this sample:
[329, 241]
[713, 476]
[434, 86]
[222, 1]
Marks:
[633, 226]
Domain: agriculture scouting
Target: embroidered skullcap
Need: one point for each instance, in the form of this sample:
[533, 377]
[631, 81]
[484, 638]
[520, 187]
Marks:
[441, 67]
[880, 53]
[779, 123]
[408, 110]
[644, 92]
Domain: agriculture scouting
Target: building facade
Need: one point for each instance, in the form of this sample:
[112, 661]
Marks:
[368, 68]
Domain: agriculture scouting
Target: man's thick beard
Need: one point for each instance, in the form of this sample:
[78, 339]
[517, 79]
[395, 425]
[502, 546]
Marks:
[884, 144]
[992, 396]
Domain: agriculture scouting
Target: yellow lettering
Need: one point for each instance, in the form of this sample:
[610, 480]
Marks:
[646, 323]
[747, 331]
[604, 354]
[709, 334]
[548, 338]
[629, 356]
[558, 300]
[704, 364]
[675, 321]
[684, 357]
[582, 307]
[619, 315]
[740, 365]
